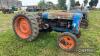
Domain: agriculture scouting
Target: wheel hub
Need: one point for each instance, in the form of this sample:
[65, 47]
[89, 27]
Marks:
[22, 27]
[66, 42]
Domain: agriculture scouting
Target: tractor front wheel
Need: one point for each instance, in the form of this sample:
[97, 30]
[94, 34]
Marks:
[25, 26]
[67, 41]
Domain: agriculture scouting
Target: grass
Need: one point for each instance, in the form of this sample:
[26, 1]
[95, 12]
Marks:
[45, 45]
[5, 21]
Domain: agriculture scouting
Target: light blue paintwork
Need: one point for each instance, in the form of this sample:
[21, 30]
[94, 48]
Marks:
[45, 15]
[76, 21]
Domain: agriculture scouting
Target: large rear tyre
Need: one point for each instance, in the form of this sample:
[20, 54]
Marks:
[67, 41]
[26, 26]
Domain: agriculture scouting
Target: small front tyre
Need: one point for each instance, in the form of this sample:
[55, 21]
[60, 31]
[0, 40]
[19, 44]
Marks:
[67, 41]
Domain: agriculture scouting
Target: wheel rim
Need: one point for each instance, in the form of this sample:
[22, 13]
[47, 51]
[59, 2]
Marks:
[22, 27]
[66, 42]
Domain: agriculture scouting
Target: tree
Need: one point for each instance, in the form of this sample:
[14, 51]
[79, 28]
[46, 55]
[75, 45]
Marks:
[62, 4]
[42, 4]
[93, 3]
[49, 5]
[72, 3]
[85, 2]
[77, 3]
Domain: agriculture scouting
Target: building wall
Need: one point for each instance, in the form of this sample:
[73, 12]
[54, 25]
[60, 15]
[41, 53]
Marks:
[10, 3]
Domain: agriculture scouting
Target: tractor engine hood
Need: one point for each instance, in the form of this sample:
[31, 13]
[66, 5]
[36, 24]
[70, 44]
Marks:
[59, 15]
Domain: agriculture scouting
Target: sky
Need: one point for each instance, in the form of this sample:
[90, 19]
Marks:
[35, 2]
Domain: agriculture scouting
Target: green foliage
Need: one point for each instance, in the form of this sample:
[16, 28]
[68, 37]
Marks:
[77, 3]
[62, 4]
[85, 2]
[42, 4]
[50, 5]
[72, 3]
[93, 3]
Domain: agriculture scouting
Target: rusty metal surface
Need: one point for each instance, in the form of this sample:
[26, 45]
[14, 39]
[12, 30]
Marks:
[60, 15]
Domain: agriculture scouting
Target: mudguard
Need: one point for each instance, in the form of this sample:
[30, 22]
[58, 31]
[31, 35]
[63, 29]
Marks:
[76, 22]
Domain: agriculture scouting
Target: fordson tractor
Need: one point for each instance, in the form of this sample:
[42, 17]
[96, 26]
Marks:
[27, 26]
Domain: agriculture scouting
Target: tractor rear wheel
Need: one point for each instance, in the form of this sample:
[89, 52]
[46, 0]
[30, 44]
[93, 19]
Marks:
[25, 26]
[67, 41]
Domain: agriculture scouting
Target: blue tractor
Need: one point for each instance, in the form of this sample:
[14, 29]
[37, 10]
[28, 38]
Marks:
[27, 26]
